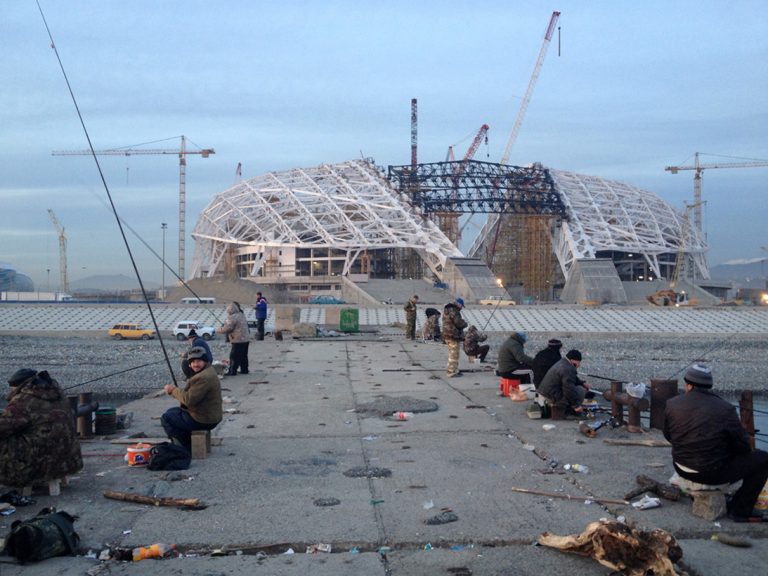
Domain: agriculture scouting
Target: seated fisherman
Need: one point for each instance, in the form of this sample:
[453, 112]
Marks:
[431, 329]
[512, 357]
[472, 346]
[545, 359]
[200, 401]
[562, 386]
[710, 446]
[194, 340]
[38, 438]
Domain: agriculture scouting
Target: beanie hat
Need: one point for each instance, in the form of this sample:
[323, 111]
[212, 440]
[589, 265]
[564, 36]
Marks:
[555, 343]
[522, 335]
[195, 353]
[460, 302]
[573, 355]
[699, 375]
[21, 375]
[192, 334]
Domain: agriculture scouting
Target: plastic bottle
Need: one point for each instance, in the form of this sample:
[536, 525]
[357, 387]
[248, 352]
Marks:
[403, 415]
[154, 551]
[576, 468]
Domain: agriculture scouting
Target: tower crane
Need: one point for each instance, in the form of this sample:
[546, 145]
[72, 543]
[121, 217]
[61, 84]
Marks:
[64, 279]
[698, 168]
[182, 152]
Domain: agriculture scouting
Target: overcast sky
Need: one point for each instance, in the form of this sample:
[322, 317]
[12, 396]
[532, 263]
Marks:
[626, 89]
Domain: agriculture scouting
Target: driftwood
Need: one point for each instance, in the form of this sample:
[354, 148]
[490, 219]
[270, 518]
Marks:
[649, 443]
[646, 484]
[189, 503]
[621, 548]
[567, 496]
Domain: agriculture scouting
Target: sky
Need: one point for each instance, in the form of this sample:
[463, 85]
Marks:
[626, 89]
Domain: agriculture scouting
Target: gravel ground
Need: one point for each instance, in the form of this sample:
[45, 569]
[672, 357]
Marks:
[738, 363]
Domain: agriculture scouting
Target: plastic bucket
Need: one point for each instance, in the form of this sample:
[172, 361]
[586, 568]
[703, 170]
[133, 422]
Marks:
[138, 454]
[105, 421]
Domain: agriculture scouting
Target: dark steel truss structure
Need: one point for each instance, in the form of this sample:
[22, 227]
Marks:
[478, 187]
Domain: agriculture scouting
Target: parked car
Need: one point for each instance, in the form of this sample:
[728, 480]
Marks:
[127, 330]
[182, 330]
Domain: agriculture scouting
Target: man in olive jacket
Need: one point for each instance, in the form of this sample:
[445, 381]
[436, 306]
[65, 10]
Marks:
[709, 444]
[512, 356]
[200, 401]
[453, 335]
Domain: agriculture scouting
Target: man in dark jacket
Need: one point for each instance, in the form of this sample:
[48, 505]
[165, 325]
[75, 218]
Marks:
[545, 359]
[261, 315]
[562, 386]
[453, 335]
[709, 444]
[512, 356]
[194, 340]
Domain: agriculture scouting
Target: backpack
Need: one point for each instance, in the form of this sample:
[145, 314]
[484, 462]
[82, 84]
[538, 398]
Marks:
[167, 456]
[46, 535]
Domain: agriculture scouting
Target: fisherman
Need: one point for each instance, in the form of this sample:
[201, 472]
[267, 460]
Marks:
[472, 346]
[710, 446]
[562, 387]
[410, 317]
[38, 438]
[194, 340]
[453, 334]
[512, 357]
[431, 329]
[261, 315]
[545, 359]
[236, 330]
[200, 401]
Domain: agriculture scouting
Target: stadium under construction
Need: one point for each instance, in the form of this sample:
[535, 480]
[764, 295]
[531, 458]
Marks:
[539, 234]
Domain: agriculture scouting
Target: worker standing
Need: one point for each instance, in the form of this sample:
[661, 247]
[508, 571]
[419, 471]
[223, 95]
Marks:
[410, 317]
[261, 315]
[453, 334]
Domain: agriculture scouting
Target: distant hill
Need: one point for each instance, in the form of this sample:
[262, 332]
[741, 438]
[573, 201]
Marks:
[746, 273]
[109, 283]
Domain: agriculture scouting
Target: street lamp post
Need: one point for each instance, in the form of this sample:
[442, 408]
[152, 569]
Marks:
[164, 226]
[48, 288]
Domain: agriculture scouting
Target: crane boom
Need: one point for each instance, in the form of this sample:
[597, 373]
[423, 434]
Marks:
[182, 153]
[698, 167]
[531, 85]
[63, 277]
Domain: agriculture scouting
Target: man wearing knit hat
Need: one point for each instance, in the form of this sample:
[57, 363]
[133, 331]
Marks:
[561, 385]
[545, 359]
[710, 446]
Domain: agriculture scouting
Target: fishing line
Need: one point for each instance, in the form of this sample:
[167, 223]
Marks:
[491, 316]
[109, 194]
[113, 374]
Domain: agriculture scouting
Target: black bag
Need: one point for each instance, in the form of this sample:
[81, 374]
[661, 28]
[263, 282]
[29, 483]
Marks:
[167, 456]
[46, 535]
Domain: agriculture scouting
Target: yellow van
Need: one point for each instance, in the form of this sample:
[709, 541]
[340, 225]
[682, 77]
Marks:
[137, 331]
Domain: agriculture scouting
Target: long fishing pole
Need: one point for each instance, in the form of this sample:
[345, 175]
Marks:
[112, 374]
[491, 316]
[109, 194]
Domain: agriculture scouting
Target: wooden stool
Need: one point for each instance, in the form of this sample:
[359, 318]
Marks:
[201, 444]
[54, 487]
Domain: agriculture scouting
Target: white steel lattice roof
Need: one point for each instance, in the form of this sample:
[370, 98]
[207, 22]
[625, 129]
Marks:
[349, 206]
[610, 215]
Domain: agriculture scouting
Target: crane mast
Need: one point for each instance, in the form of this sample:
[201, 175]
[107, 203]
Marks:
[182, 153]
[531, 86]
[63, 277]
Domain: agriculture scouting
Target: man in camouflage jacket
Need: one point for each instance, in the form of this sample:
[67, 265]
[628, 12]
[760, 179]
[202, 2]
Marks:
[38, 439]
[453, 334]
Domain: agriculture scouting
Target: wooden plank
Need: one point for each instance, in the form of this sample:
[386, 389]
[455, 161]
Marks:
[649, 443]
[139, 440]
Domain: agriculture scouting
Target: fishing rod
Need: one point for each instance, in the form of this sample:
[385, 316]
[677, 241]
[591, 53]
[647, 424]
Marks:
[109, 194]
[159, 257]
[491, 316]
[112, 374]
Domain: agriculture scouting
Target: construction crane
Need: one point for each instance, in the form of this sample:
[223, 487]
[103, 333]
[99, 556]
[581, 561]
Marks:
[64, 279]
[497, 220]
[531, 86]
[699, 168]
[182, 152]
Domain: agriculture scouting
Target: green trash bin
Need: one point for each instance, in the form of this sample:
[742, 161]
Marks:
[349, 320]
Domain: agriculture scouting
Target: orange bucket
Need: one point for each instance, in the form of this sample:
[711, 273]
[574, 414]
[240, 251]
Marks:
[138, 454]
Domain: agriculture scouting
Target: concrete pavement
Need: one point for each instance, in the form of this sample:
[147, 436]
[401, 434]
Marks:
[293, 440]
